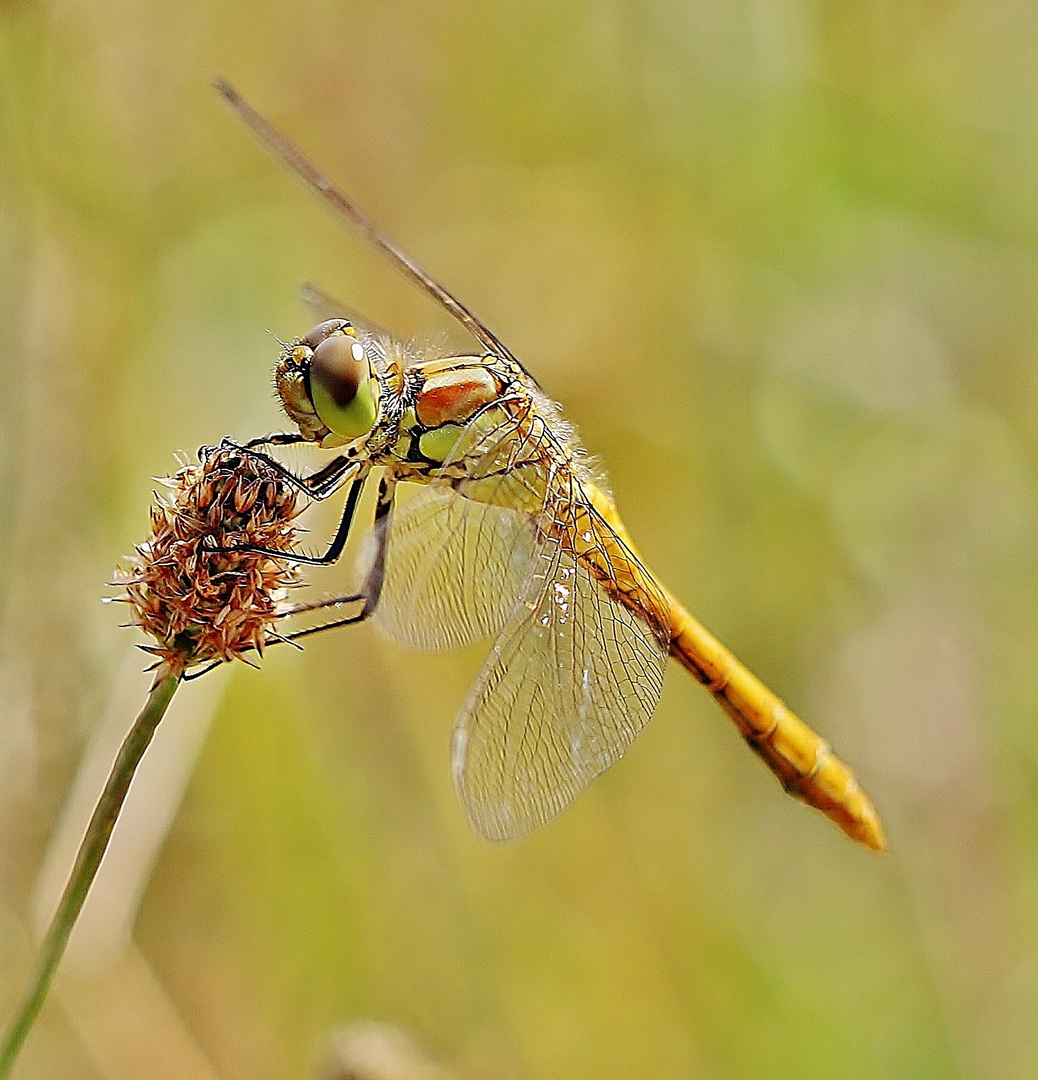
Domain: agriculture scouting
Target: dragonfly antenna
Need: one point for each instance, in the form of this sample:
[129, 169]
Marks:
[282, 147]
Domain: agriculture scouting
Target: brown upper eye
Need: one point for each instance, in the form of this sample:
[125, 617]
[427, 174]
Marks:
[338, 366]
[323, 331]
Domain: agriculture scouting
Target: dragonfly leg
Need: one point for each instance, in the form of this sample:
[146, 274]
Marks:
[317, 485]
[376, 575]
[279, 438]
[320, 605]
[275, 639]
[334, 549]
[286, 639]
[192, 675]
[372, 588]
[348, 621]
[372, 585]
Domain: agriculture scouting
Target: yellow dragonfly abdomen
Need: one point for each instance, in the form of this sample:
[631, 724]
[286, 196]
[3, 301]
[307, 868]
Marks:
[798, 756]
[801, 759]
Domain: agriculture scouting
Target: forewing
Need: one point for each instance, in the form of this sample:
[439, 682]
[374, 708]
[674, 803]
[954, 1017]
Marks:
[460, 550]
[325, 306]
[572, 678]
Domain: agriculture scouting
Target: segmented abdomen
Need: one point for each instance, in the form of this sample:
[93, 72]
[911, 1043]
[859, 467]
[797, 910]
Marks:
[798, 756]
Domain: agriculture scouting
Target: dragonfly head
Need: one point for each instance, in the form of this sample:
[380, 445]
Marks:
[326, 384]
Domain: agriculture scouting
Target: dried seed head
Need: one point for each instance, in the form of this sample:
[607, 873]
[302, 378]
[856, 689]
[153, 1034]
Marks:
[201, 604]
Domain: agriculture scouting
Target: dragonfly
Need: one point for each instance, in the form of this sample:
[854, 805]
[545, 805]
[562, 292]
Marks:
[509, 536]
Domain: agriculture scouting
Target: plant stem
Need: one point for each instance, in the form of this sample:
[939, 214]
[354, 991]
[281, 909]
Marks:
[88, 858]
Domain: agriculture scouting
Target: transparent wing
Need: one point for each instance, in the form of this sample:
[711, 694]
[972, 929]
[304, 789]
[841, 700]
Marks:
[572, 678]
[454, 569]
[325, 306]
[460, 550]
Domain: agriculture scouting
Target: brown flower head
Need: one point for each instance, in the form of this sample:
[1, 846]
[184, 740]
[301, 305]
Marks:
[201, 604]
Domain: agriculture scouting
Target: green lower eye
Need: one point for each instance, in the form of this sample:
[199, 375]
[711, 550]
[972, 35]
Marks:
[341, 387]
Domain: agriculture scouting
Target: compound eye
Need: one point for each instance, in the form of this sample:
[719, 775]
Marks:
[337, 367]
[341, 386]
[324, 330]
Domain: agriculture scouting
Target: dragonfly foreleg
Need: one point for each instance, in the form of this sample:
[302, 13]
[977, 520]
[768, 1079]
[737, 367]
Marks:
[317, 485]
[279, 438]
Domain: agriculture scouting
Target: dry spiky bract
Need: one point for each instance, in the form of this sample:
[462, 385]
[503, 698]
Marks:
[201, 604]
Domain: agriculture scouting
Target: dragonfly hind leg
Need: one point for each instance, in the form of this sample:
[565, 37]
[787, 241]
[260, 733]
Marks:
[371, 591]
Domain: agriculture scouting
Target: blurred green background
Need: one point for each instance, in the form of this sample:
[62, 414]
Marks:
[779, 260]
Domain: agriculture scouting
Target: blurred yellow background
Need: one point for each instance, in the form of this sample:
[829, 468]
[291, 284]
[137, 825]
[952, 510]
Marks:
[779, 260]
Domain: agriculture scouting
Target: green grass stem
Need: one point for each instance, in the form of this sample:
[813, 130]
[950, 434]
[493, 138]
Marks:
[88, 859]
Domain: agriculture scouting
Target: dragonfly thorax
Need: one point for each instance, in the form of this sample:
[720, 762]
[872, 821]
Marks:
[439, 398]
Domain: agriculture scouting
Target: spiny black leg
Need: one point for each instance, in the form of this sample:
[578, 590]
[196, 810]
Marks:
[318, 485]
[279, 438]
[334, 549]
[319, 605]
[350, 621]
[192, 675]
[326, 479]
[376, 575]
[343, 532]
